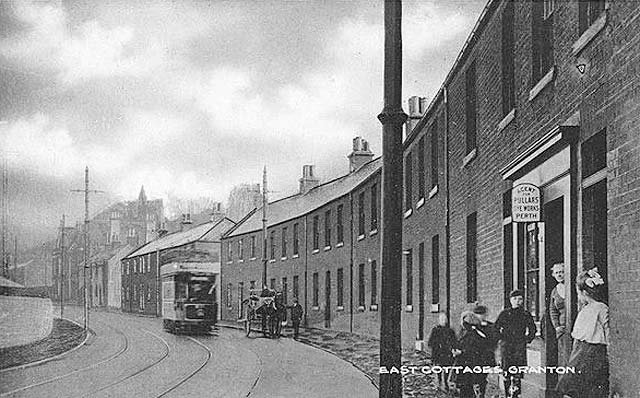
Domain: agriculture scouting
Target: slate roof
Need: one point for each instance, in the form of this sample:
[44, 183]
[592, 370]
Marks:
[197, 233]
[300, 204]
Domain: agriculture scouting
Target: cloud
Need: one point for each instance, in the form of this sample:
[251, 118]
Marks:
[89, 51]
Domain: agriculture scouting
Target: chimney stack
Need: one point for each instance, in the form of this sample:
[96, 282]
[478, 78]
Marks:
[162, 229]
[186, 223]
[217, 212]
[360, 155]
[417, 108]
[308, 180]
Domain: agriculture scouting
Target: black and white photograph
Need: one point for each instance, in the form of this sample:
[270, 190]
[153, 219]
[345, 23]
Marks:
[320, 198]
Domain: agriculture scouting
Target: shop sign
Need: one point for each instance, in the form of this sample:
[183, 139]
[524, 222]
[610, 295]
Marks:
[525, 203]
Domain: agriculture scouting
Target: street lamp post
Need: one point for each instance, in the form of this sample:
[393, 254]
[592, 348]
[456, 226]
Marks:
[392, 119]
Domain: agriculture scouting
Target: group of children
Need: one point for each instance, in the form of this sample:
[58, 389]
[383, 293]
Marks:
[477, 344]
[514, 328]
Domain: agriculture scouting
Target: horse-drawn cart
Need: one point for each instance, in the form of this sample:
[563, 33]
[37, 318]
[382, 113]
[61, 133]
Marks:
[268, 311]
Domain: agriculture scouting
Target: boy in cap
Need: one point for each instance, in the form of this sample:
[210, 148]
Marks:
[516, 329]
[442, 342]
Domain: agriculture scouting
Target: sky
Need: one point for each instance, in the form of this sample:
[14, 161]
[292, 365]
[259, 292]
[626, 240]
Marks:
[190, 98]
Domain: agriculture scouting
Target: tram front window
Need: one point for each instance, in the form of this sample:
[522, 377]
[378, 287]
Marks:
[201, 290]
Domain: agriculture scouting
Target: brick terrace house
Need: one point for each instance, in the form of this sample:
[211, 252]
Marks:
[321, 246]
[542, 93]
[141, 268]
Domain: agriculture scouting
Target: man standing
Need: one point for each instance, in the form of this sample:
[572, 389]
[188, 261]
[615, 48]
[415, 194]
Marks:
[516, 329]
[296, 316]
[558, 314]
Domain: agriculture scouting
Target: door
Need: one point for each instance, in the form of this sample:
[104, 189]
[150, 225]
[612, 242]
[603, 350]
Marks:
[327, 306]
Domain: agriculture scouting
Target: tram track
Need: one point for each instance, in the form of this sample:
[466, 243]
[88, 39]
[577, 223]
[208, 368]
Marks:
[63, 376]
[191, 374]
[139, 371]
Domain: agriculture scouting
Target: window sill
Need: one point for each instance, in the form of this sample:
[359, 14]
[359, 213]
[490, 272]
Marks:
[408, 308]
[469, 157]
[507, 120]
[433, 192]
[340, 308]
[374, 232]
[253, 259]
[327, 248]
[315, 251]
[295, 256]
[373, 307]
[589, 34]
[340, 244]
[435, 308]
[544, 82]
[361, 308]
[283, 258]
[241, 261]
[230, 262]
[360, 237]
[315, 308]
[420, 203]
[273, 260]
[408, 213]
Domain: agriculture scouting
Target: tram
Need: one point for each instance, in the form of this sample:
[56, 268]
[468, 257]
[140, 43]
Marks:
[189, 292]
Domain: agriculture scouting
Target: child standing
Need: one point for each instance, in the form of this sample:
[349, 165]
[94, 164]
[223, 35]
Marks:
[441, 341]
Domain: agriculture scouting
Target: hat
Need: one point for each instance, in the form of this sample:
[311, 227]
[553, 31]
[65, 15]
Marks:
[516, 293]
[480, 309]
[469, 318]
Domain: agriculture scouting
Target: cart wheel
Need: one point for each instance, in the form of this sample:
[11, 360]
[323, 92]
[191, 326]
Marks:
[247, 326]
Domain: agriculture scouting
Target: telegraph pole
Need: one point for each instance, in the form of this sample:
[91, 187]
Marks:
[392, 118]
[265, 258]
[86, 243]
[5, 265]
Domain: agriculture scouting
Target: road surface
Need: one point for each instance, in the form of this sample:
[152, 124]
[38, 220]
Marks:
[130, 356]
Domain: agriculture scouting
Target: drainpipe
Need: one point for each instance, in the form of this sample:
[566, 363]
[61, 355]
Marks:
[447, 226]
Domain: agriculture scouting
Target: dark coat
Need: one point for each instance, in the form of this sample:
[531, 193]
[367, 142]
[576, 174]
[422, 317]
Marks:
[441, 341]
[296, 312]
[516, 329]
[475, 344]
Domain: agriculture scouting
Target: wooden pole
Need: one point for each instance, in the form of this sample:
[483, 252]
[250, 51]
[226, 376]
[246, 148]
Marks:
[265, 258]
[392, 119]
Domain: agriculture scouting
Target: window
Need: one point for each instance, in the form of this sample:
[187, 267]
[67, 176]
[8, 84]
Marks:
[374, 283]
[295, 239]
[340, 228]
[361, 214]
[361, 291]
[374, 207]
[507, 246]
[253, 246]
[229, 296]
[435, 269]
[284, 241]
[272, 283]
[542, 36]
[327, 228]
[296, 287]
[408, 180]
[316, 233]
[340, 287]
[252, 285]
[471, 258]
[285, 287]
[594, 154]
[229, 252]
[434, 154]
[588, 13]
[421, 171]
[409, 276]
[508, 79]
[315, 289]
[470, 107]
[240, 250]
[272, 245]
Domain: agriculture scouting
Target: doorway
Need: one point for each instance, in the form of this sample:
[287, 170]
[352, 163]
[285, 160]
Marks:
[327, 295]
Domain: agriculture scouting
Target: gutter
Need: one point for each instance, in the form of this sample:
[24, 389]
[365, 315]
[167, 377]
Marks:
[447, 227]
